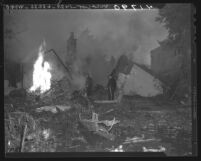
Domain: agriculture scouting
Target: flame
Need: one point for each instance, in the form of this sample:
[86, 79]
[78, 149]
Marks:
[41, 74]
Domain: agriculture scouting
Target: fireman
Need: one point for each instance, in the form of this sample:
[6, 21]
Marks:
[89, 85]
[111, 86]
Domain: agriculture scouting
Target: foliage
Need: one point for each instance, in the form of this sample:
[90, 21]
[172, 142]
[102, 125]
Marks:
[12, 27]
[177, 19]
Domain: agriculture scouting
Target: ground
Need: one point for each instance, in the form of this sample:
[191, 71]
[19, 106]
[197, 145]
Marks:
[168, 124]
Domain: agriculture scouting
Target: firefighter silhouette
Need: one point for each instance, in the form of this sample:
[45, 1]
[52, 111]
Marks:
[89, 85]
[111, 86]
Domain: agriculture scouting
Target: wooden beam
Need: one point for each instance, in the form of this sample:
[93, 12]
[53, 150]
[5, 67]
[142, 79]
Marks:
[106, 101]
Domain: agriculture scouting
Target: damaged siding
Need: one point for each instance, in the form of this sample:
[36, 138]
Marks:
[139, 82]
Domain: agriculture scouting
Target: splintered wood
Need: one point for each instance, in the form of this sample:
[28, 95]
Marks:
[93, 125]
[106, 101]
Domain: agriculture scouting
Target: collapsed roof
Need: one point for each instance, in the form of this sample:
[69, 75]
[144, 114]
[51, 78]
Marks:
[135, 79]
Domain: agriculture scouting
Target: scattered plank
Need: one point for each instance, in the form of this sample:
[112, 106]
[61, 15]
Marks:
[92, 125]
[139, 140]
[106, 101]
[75, 146]
[23, 138]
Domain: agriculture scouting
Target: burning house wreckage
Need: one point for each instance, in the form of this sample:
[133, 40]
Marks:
[65, 110]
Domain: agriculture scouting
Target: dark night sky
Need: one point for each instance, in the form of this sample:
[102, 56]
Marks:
[115, 32]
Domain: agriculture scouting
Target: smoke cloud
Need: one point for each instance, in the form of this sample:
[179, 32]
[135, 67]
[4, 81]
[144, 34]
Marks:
[101, 35]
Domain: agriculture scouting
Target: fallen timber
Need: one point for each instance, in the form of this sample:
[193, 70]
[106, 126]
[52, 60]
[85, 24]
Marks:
[53, 51]
[106, 101]
[94, 126]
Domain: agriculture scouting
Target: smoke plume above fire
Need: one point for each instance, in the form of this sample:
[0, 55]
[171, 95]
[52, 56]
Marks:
[100, 34]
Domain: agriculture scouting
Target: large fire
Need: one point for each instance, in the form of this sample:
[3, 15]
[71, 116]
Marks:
[41, 73]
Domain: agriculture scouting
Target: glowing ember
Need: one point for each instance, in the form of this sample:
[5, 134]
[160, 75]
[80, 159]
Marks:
[41, 73]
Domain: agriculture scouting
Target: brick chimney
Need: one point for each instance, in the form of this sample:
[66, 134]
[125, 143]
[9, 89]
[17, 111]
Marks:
[71, 49]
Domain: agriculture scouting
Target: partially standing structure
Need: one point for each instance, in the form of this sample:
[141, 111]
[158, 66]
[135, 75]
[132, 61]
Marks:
[134, 79]
[166, 62]
[71, 49]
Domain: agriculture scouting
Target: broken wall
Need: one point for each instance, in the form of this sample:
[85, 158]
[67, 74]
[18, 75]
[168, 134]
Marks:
[139, 82]
[165, 62]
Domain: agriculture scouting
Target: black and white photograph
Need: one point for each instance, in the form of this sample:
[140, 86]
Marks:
[99, 80]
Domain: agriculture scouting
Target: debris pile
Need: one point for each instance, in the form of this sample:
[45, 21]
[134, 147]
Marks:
[59, 90]
[139, 139]
[95, 125]
[51, 122]
[118, 149]
[53, 109]
[161, 149]
[24, 134]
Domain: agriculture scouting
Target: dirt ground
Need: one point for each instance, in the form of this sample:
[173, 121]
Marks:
[165, 124]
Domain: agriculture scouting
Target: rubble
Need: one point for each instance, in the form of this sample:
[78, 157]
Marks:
[118, 149]
[46, 133]
[106, 101]
[63, 132]
[94, 125]
[23, 138]
[54, 109]
[161, 149]
[108, 111]
[79, 139]
[165, 124]
[138, 140]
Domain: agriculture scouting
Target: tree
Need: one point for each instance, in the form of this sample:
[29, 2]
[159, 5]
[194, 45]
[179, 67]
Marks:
[177, 19]
[13, 26]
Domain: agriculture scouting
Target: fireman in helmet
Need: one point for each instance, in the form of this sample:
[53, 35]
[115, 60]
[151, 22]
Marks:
[89, 85]
[111, 86]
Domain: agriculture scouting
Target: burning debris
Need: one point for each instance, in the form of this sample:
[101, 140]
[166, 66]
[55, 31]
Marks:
[41, 73]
